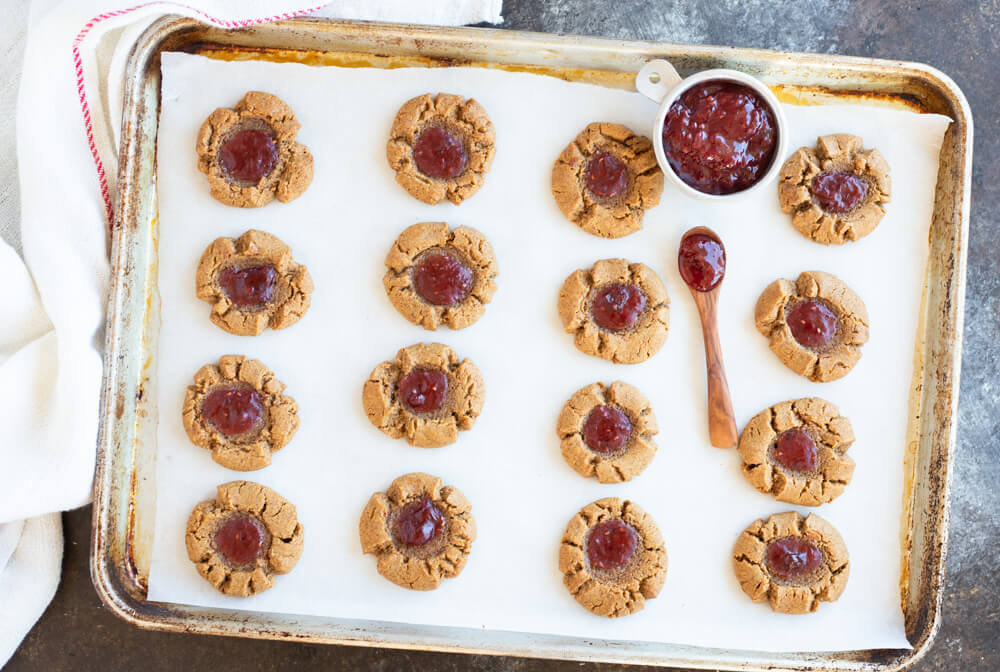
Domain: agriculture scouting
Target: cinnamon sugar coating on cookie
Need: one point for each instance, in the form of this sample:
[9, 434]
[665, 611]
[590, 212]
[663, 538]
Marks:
[832, 436]
[839, 153]
[281, 543]
[463, 119]
[623, 590]
[468, 246]
[292, 171]
[798, 595]
[418, 567]
[829, 362]
[636, 453]
[462, 405]
[628, 346]
[608, 217]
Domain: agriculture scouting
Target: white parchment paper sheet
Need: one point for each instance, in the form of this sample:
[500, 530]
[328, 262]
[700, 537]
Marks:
[509, 465]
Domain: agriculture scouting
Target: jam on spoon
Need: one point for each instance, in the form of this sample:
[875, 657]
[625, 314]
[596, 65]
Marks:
[701, 261]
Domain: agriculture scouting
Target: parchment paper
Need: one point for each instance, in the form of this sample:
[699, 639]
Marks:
[509, 465]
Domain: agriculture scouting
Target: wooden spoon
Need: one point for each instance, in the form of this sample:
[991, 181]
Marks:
[702, 263]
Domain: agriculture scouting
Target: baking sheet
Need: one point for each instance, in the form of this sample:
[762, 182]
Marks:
[509, 465]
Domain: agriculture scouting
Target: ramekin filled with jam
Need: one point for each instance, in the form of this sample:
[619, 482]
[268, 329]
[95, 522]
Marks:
[718, 133]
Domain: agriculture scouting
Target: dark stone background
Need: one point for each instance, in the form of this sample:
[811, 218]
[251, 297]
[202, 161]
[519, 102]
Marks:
[958, 36]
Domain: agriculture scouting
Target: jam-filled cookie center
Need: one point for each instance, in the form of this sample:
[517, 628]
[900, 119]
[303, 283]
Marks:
[440, 152]
[812, 323]
[606, 429]
[423, 390]
[249, 155]
[617, 306]
[234, 411]
[249, 287]
[418, 523]
[795, 450]
[719, 137]
[793, 557]
[611, 544]
[839, 191]
[701, 261]
[606, 175]
[441, 279]
[240, 540]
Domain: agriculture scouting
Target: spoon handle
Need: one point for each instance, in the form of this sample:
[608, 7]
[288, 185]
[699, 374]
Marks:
[721, 420]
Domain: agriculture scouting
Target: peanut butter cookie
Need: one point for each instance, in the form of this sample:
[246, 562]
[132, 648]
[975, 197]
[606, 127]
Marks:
[618, 311]
[607, 432]
[816, 325]
[796, 451]
[606, 179]
[441, 146]
[835, 192]
[243, 537]
[425, 395]
[612, 557]
[252, 283]
[440, 276]
[237, 410]
[792, 562]
[420, 531]
[250, 155]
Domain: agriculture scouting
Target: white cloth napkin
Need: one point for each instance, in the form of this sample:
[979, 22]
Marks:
[30, 559]
[51, 337]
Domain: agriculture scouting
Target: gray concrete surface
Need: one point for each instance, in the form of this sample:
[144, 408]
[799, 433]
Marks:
[958, 36]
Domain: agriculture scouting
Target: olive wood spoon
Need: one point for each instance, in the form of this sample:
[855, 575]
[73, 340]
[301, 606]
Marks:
[702, 264]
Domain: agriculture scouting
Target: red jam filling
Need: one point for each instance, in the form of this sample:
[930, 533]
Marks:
[606, 429]
[795, 450]
[607, 175]
[439, 153]
[839, 191]
[423, 390]
[249, 155]
[719, 137]
[792, 557]
[248, 287]
[812, 323]
[441, 279]
[418, 523]
[611, 544]
[240, 540]
[618, 306]
[701, 261]
[233, 411]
